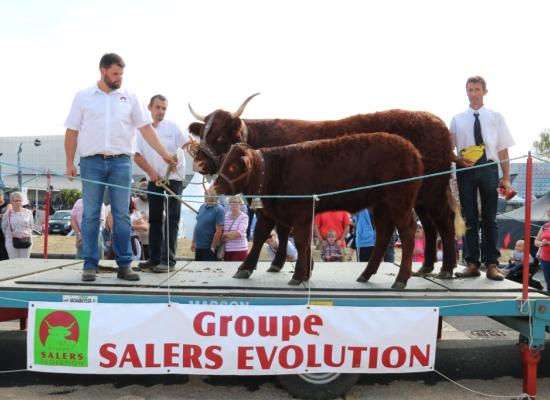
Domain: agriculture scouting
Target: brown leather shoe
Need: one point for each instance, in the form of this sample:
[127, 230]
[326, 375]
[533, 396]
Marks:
[494, 273]
[471, 271]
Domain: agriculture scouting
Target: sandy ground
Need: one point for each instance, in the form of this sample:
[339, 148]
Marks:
[59, 244]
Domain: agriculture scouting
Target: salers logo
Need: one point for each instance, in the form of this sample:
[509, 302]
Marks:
[61, 338]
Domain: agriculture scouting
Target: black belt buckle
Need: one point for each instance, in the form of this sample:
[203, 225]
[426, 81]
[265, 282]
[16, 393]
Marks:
[109, 156]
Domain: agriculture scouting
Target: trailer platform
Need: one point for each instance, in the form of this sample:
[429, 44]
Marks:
[332, 284]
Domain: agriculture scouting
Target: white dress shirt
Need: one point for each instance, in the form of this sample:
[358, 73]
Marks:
[172, 137]
[106, 122]
[494, 130]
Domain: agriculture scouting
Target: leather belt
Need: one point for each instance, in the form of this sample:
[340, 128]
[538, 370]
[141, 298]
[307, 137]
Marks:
[108, 156]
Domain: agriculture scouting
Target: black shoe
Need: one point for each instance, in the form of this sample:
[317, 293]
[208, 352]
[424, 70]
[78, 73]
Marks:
[147, 265]
[127, 275]
[88, 275]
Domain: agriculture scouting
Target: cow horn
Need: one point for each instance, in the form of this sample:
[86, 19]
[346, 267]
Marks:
[199, 117]
[238, 113]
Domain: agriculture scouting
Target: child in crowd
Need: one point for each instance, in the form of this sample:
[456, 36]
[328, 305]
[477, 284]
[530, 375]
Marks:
[332, 251]
[515, 264]
[418, 252]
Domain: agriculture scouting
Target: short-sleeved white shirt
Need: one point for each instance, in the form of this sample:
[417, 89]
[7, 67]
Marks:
[172, 137]
[106, 122]
[494, 130]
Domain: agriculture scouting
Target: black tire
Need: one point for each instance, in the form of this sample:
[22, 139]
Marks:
[324, 386]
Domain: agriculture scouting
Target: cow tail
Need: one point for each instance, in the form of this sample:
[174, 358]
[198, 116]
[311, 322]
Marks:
[460, 226]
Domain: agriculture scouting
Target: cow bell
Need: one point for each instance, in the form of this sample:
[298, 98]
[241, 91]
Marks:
[256, 203]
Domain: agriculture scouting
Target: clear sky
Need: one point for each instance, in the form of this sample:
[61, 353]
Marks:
[309, 59]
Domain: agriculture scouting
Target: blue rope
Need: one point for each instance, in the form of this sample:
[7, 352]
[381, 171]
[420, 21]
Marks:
[452, 170]
[544, 160]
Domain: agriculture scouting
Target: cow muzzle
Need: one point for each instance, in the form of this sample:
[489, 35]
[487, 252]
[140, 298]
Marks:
[231, 183]
[200, 167]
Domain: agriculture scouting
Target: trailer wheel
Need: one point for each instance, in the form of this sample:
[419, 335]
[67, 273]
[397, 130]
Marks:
[322, 386]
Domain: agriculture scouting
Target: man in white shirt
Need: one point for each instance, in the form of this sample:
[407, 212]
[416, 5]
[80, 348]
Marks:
[161, 256]
[481, 137]
[102, 122]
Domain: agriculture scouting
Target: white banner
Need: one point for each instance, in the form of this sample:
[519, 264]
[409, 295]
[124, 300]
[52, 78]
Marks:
[229, 340]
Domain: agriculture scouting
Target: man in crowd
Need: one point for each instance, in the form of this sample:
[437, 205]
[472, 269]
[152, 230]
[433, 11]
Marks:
[208, 231]
[337, 221]
[4, 207]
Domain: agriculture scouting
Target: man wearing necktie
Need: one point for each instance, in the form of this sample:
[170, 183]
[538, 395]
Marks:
[481, 137]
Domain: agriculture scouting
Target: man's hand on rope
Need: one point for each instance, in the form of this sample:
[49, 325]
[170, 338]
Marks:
[154, 177]
[171, 160]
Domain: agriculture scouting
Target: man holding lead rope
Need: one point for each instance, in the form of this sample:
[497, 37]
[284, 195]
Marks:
[162, 257]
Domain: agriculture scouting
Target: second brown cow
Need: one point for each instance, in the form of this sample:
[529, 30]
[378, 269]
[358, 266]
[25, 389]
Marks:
[325, 166]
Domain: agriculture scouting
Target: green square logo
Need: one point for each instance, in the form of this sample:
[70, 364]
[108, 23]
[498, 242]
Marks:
[61, 337]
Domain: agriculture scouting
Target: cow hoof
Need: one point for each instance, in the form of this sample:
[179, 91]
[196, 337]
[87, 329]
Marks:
[398, 285]
[294, 282]
[363, 279]
[444, 275]
[242, 274]
[274, 268]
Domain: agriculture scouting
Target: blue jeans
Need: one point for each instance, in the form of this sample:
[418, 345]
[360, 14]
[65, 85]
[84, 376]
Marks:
[469, 182]
[116, 171]
[545, 265]
[205, 255]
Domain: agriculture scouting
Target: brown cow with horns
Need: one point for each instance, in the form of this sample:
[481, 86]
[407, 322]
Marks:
[435, 206]
[316, 167]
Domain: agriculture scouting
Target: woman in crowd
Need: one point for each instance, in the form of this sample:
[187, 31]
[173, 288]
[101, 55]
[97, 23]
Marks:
[234, 232]
[543, 243]
[17, 227]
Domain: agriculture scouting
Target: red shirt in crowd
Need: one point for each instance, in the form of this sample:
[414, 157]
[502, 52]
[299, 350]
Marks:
[336, 221]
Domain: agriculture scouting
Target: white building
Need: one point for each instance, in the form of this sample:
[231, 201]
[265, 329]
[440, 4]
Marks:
[48, 155]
